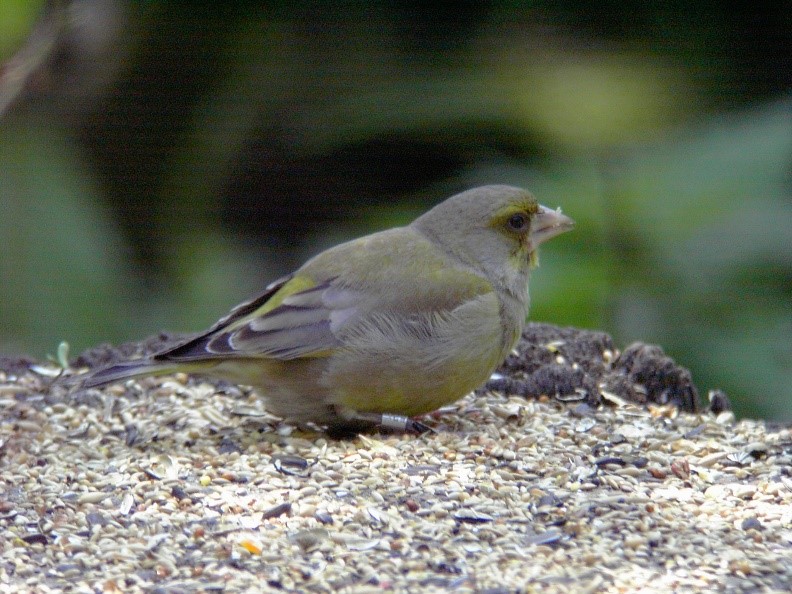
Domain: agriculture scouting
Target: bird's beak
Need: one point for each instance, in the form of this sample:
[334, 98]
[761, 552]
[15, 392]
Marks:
[547, 223]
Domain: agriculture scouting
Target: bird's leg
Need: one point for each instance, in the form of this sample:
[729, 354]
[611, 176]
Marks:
[354, 421]
[393, 422]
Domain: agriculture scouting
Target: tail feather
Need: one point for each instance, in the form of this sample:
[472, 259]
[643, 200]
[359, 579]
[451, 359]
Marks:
[124, 371]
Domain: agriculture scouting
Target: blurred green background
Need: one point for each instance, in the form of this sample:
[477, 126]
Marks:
[162, 161]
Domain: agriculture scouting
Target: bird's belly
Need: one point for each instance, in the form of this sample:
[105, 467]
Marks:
[291, 389]
[411, 373]
[412, 391]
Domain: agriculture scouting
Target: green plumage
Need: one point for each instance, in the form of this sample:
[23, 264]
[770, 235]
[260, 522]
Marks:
[398, 322]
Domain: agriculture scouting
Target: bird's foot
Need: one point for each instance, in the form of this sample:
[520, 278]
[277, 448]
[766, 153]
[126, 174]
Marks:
[355, 422]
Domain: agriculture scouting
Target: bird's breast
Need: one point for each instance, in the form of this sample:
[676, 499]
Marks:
[416, 364]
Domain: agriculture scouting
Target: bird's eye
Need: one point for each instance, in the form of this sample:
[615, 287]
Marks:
[518, 222]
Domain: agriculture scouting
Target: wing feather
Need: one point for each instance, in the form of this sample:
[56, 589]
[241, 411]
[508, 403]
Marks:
[279, 324]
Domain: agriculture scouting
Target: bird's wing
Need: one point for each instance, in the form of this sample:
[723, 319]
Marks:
[302, 315]
[291, 319]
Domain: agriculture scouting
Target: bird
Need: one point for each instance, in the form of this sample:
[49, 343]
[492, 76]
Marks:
[383, 328]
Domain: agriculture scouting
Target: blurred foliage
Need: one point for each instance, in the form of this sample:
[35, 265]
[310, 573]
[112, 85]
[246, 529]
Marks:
[169, 159]
[17, 18]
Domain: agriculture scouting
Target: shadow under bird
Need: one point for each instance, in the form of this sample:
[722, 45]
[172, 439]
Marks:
[384, 327]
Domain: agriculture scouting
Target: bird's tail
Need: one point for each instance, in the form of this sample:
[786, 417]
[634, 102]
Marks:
[122, 371]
